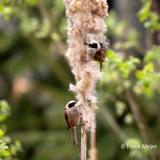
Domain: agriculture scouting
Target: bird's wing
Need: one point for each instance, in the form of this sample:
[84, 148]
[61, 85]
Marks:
[66, 118]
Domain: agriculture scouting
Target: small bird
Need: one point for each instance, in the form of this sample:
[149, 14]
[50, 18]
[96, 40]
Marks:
[72, 117]
[96, 50]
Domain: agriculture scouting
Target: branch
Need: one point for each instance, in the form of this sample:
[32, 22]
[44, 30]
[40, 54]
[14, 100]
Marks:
[107, 115]
[139, 120]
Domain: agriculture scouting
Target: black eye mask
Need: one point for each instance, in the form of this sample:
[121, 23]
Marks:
[71, 104]
[94, 45]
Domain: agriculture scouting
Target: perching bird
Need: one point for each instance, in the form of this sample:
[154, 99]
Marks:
[96, 51]
[72, 117]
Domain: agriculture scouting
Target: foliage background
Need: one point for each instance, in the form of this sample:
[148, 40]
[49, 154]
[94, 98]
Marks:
[34, 79]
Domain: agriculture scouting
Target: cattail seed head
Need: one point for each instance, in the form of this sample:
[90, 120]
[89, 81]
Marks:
[85, 19]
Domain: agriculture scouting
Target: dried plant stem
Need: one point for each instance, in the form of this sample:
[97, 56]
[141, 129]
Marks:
[93, 150]
[141, 125]
[83, 143]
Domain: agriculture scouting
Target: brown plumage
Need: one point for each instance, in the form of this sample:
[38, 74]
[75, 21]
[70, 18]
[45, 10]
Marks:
[100, 57]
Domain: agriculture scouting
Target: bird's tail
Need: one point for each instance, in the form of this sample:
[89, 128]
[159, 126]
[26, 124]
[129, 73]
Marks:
[100, 66]
[74, 137]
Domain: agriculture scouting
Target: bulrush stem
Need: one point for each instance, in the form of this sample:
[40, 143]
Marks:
[93, 150]
[83, 143]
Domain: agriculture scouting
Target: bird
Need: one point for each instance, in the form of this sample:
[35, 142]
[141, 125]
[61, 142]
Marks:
[72, 116]
[96, 51]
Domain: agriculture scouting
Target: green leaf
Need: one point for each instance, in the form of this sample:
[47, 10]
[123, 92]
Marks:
[139, 74]
[1, 9]
[134, 60]
[145, 11]
[111, 55]
[146, 83]
[5, 153]
[1, 133]
[13, 149]
[4, 106]
[2, 117]
[148, 67]
[153, 54]
[30, 2]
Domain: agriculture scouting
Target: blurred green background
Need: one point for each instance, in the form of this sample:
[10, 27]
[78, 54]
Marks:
[35, 76]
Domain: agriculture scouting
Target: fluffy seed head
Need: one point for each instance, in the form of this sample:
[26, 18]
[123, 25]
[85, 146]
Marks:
[85, 18]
